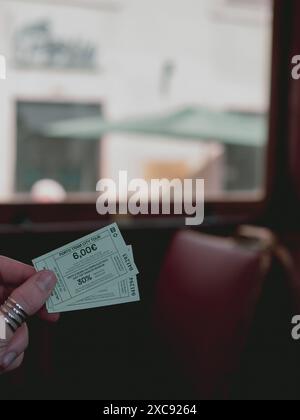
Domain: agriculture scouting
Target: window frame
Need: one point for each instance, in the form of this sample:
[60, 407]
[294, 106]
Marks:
[234, 208]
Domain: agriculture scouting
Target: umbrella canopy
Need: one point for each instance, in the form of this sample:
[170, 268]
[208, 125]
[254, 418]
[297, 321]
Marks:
[236, 128]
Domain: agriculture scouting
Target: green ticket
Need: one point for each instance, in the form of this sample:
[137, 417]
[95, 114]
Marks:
[96, 270]
[114, 293]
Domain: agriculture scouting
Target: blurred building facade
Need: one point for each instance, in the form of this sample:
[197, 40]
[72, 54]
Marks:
[125, 58]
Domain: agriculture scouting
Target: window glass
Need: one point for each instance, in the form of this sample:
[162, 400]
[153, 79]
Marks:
[160, 88]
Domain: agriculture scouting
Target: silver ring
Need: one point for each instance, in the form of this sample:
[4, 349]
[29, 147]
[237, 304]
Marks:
[13, 313]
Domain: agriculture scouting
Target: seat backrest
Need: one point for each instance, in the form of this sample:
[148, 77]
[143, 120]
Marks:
[206, 297]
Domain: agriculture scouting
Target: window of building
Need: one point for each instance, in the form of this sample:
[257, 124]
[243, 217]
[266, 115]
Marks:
[75, 168]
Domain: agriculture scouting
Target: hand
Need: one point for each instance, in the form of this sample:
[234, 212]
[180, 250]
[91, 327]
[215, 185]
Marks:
[31, 290]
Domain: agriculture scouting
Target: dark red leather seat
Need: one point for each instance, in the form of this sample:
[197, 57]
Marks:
[206, 297]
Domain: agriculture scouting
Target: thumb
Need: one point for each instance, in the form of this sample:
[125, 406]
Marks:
[33, 294]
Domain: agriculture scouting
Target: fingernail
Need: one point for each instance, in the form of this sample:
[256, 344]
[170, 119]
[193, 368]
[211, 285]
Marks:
[8, 359]
[46, 281]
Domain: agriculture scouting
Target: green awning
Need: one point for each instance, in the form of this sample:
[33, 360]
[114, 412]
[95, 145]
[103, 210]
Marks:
[236, 128]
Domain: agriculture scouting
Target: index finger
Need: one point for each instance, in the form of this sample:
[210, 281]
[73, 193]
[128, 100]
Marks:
[13, 272]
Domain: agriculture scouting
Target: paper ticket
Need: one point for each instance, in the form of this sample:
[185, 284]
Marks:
[87, 267]
[114, 293]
